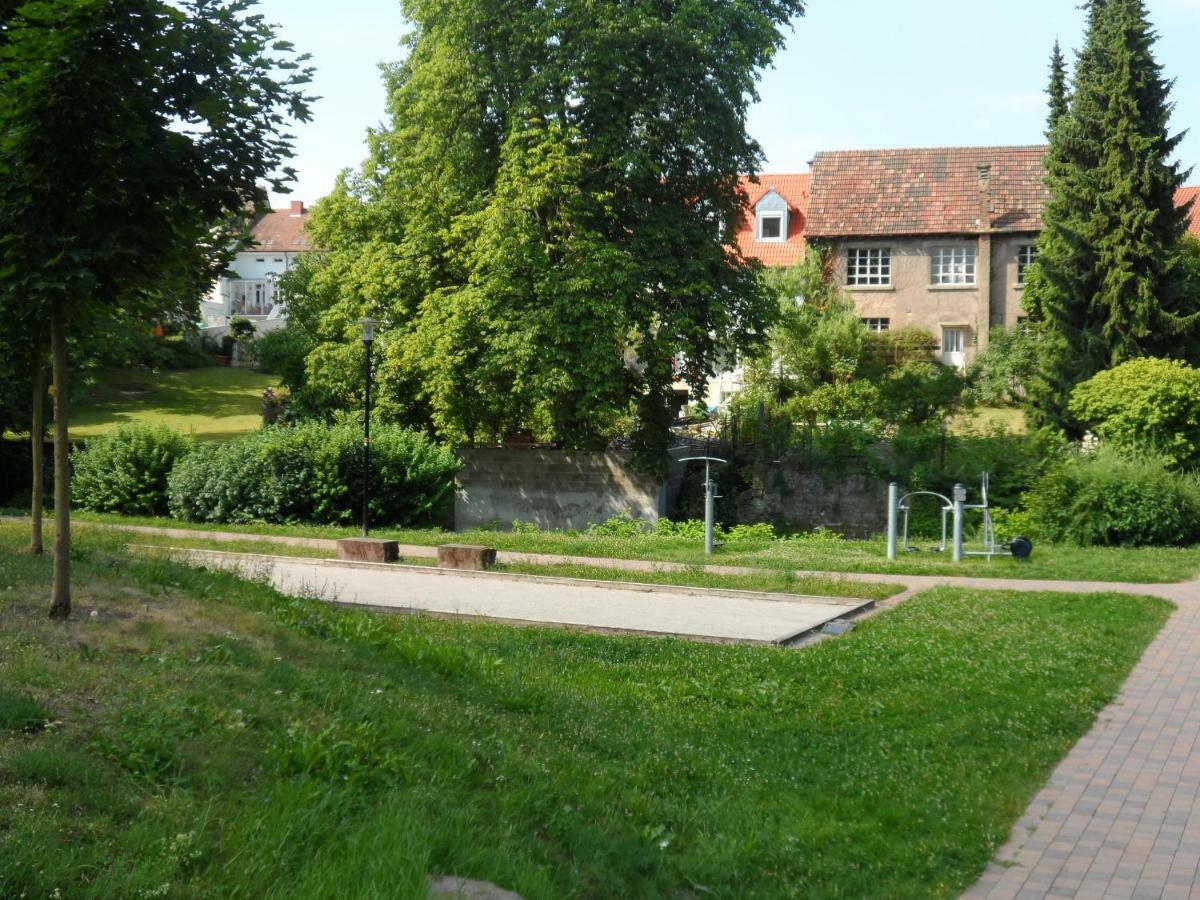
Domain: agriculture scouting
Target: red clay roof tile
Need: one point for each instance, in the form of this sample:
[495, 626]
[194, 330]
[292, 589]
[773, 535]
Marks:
[795, 190]
[935, 190]
[281, 230]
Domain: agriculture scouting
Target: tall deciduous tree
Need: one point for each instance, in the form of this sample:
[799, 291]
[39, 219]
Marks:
[1107, 285]
[546, 224]
[130, 131]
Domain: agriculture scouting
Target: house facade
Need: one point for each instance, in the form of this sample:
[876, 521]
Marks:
[937, 238]
[251, 287]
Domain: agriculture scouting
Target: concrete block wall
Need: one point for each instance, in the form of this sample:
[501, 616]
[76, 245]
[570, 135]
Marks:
[554, 489]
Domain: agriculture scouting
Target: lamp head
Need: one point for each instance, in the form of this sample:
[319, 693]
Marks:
[368, 326]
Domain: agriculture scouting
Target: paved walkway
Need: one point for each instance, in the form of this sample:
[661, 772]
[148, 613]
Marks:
[1120, 816]
[725, 615]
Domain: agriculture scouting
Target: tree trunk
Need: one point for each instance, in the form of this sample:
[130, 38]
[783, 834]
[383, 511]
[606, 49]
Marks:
[37, 437]
[60, 601]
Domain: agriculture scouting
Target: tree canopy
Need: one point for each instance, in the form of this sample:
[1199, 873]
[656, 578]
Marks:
[134, 134]
[1107, 285]
[545, 225]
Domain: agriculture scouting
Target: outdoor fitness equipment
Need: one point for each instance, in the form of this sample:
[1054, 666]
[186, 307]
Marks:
[710, 494]
[1020, 547]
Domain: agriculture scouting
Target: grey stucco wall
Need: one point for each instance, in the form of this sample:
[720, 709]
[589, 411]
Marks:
[554, 489]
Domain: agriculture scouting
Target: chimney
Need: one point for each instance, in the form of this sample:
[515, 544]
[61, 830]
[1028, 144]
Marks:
[297, 208]
[985, 197]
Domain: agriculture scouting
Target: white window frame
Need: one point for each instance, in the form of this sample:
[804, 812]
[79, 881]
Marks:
[778, 217]
[868, 266]
[953, 265]
[1026, 257]
[878, 324]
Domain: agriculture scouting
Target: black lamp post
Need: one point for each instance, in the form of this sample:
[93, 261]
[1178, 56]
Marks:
[368, 338]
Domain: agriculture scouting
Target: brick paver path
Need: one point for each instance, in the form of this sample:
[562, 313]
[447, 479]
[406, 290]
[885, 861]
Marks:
[1120, 816]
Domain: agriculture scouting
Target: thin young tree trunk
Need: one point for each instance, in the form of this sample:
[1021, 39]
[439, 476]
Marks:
[60, 601]
[37, 437]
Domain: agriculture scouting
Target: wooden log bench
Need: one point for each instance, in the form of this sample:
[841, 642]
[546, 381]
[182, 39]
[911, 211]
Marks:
[465, 556]
[363, 549]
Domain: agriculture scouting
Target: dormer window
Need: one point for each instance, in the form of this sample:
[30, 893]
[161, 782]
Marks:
[770, 226]
[771, 217]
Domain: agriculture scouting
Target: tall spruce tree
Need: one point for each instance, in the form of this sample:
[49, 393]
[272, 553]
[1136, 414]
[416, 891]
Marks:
[1107, 284]
[1059, 100]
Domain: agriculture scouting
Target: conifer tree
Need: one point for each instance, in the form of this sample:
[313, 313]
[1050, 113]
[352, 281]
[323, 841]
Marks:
[1107, 285]
[1058, 86]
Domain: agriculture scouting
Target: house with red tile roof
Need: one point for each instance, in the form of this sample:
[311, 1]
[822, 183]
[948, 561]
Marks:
[939, 238]
[277, 238]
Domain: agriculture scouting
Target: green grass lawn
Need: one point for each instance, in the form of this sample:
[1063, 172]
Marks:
[204, 736]
[211, 404]
[1057, 562]
[984, 418]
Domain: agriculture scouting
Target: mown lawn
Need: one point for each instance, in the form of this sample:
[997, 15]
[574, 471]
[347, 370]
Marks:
[203, 736]
[215, 403]
[818, 553]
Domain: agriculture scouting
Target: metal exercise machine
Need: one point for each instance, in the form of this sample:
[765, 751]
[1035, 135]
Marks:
[1020, 547]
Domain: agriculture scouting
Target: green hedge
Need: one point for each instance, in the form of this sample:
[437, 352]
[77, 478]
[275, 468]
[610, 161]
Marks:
[1107, 499]
[314, 473]
[126, 470]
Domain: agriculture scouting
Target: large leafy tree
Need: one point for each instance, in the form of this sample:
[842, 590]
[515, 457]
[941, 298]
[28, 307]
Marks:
[1108, 285]
[130, 130]
[545, 224]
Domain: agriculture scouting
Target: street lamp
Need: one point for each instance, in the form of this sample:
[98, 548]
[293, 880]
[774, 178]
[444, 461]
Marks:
[368, 338]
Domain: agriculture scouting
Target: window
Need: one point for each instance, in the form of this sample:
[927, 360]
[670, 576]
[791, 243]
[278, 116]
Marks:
[770, 226]
[868, 266]
[877, 324]
[251, 297]
[1026, 254]
[954, 265]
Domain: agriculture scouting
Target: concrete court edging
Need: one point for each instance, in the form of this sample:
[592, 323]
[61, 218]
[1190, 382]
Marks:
[831, 608]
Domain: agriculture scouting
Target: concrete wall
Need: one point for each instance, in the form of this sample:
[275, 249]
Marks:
[853, 505]
[553, 489]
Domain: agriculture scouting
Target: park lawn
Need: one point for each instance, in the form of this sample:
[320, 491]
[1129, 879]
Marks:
[214, 403]
[204, 736]
[818, 553]
[985, 418]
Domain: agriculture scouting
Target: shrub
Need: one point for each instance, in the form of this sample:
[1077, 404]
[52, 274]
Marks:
[283, 352]
[1144, 406]
[1110, 500]
[624, 525]
[1000, 373]
[126, 471]
[313, 472]
[229, 482]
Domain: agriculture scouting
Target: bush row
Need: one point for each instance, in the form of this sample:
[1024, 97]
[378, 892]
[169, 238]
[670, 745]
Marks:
[305, 473]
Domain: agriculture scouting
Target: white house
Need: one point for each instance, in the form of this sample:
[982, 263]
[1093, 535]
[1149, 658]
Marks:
[251, 288]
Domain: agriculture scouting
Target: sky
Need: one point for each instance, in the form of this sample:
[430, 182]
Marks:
[855, 74]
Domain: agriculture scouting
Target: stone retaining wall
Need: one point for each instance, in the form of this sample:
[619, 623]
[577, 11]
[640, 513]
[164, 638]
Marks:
[554, 489]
